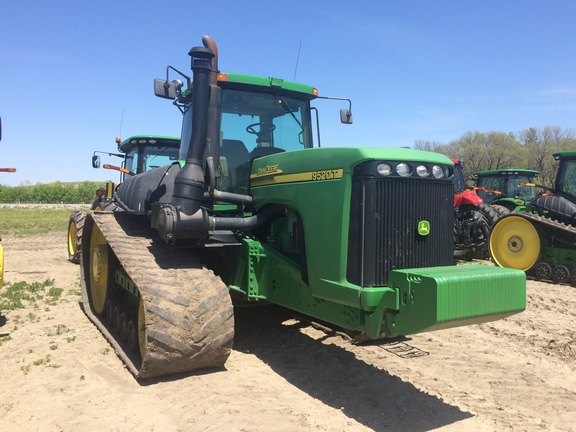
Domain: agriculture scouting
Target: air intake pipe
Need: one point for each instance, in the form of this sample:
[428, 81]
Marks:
[184, 217]
[173, 225]
[189, 183]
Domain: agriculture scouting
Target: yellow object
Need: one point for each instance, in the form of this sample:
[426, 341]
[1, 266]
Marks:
[98, 270]
[72, 234]
[515, 243]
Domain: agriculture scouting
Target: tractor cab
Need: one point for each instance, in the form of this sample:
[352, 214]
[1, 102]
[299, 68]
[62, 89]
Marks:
[143, 153]
[565, 184]
[260, 117]
[560, 202]
[507, 189]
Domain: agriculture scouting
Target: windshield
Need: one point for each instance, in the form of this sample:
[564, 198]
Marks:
[253, 124]
[521, 192]
[459, 182]
[265, 120]
[508, 185]
[567, 177]
[145, 158]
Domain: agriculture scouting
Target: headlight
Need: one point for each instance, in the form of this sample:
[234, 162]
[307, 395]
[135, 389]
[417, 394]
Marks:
[403, 169]
[437, 171]
[384, 169]
[422, 170]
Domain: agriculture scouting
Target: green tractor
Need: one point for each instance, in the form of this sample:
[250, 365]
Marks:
[256, 212]
[506, 190]
[541, 240]
[139, 153]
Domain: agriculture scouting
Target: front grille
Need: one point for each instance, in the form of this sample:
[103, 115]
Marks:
[384, 218]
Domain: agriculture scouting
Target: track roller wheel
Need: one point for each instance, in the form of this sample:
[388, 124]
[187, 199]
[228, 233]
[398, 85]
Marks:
[515, 243]
[98, 272]
[110, 313]
[561, 274]
[543, 271]
[116, 324]
[122, 325]
[132, 335]
[573, 277]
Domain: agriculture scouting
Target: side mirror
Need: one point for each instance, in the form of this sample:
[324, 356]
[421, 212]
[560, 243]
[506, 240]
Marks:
[166, 89]
[346, 116]
[95, 161]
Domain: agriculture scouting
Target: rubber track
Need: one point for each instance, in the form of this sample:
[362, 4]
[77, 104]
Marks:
[567, 228]
[188, 311]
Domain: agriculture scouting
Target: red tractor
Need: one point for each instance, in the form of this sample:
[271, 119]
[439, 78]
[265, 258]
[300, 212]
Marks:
[473, 219]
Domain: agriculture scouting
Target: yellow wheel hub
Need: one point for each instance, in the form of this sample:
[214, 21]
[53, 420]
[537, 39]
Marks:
[98, 270]
[72, 234]
[515, 243]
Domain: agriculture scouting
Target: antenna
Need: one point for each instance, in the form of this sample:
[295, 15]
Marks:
[121, 121]
[297, 58]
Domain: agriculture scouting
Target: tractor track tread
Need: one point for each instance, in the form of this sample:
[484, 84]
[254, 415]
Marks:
[188, 312]
[545, 221]
[567, 228]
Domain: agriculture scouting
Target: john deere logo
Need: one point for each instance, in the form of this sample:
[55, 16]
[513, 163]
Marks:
[423, 228]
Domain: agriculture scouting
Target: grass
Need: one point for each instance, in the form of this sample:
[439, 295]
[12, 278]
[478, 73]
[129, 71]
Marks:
[37, 296]
[27, 221]
[22, 294]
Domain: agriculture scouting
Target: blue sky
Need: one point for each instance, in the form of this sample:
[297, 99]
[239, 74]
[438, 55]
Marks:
[415, 70]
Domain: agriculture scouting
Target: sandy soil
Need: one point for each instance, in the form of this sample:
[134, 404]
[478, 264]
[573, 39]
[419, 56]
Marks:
[57, 373]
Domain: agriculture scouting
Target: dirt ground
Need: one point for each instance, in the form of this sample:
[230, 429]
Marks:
[57, 373]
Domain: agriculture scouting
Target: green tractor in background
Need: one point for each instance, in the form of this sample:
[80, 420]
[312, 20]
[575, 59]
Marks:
[507, 189]
[139, 153]
[541, 240]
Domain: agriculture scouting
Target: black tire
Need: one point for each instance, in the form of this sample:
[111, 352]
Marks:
[490, 213]
[75, 231]
[476, 246]
[489, 218]
[500, 209]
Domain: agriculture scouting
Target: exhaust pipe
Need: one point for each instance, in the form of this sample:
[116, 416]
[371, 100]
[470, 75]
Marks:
[209, 43]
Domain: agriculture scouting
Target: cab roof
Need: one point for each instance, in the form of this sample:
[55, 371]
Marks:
[148, 140]
[507, 171]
